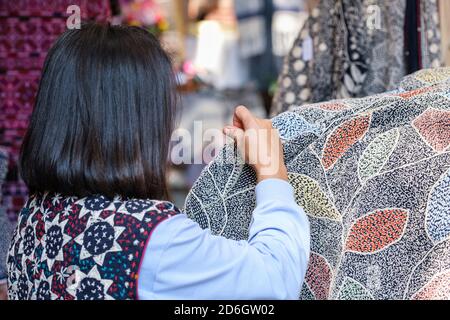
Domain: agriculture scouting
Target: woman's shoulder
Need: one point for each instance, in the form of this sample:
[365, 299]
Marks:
[100, 203]
[134, 206]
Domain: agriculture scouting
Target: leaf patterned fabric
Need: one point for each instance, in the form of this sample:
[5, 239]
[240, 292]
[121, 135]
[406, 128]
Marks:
[373, 175]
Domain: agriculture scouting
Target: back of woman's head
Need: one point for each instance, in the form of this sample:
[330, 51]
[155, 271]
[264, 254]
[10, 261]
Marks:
[103, 116]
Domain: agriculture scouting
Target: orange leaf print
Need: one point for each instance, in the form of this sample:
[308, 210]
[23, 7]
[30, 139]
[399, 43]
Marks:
[343, 138]
[318, 276]
[437, 289]
[377, 230]
[333, 106]
[433, 126]
[413, 93]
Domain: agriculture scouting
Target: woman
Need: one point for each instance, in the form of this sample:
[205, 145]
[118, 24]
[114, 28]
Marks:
[95, 154]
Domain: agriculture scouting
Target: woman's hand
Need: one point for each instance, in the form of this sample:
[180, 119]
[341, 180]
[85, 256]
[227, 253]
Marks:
[259, 144]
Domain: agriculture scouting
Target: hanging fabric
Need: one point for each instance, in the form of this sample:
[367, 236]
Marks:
[430, 43]
[252, 27]
[444, 11]
[352, 48]
[412, 36]
[287, 20]
[217, 60]
[5, 224]
[254, 23]
[267, 30]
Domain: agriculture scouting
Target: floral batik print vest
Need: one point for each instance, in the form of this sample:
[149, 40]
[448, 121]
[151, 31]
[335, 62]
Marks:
[81, 248]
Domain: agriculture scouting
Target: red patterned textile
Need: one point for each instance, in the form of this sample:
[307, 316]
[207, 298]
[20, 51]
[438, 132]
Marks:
[27, 30]
[69, 248]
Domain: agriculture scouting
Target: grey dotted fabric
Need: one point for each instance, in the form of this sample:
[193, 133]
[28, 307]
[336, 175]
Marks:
[373, 176]
[3, 166]
[350, 49]
[5, 225]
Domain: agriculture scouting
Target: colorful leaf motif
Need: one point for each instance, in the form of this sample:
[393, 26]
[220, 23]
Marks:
[413, 93]
[437, 289]
[312, 199]
[377, 153]
[333, 106]
[375, 231]
[353, 290]
[297, 125]
[438, 210]
[343, 138]
[318, 276]
[433, 76]
[433, 126]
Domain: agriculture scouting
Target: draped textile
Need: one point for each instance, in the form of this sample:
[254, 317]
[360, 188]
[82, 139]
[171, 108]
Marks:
[373, 176]
[5, 225]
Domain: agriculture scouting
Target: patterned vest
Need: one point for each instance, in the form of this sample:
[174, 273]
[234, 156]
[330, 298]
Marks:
[81, 249]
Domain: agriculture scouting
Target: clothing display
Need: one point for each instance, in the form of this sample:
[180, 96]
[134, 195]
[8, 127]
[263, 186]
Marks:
[287, 20]
[27, 30]
[3, 166]
[217, 60]
[5, 225]
[61, 241]
[255, 39]
[5, 235]
[373, 176]
[267, 30]
[350, 48]
[444, 9]
[412, 37]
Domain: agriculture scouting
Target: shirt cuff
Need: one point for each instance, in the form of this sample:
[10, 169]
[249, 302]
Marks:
[274, 189]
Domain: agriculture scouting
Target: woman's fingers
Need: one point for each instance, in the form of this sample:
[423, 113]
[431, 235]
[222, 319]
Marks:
[259, 144]
[243, 118]
[235, 133]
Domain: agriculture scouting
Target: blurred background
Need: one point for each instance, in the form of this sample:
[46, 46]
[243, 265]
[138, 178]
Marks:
[266, 54]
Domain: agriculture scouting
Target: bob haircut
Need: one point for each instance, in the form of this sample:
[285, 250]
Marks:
[103, 117]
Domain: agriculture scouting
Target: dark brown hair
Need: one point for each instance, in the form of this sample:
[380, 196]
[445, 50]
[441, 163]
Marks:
[103, 116]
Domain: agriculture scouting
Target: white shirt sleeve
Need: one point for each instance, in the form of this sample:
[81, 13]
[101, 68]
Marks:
[183, 261]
